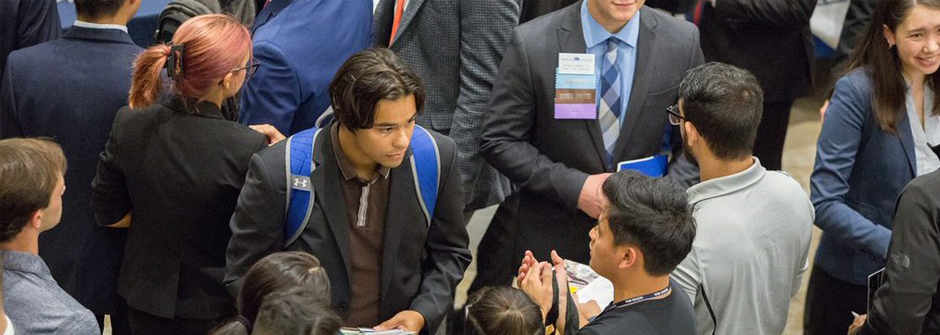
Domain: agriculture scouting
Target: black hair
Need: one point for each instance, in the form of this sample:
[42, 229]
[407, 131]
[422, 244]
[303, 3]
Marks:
[367, 77]
[503, 310]
[653, 214]
[296, 312]
[724, 103]
[97, 9]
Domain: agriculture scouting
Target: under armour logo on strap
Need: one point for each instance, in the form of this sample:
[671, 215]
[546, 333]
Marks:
[301, 183]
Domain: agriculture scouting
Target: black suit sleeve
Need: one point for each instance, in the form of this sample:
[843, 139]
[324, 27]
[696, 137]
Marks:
[40, 23]
[913, 266]
[446, 246]
[110, 197]
[507, 124]
[784, 13]
[9, 123]
[258, 222]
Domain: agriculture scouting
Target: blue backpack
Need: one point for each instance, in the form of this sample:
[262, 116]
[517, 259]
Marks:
[426, 171]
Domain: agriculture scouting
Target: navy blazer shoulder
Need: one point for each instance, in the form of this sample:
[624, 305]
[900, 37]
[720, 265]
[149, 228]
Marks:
[69, 89]
[300, 50]
[860, 170]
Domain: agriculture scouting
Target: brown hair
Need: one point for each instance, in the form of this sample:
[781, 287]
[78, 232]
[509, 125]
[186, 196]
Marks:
[503, 310]
[213, 45]
[275, 273]
[296, 311]
[883, 64]
[367, 77]
[30, 169]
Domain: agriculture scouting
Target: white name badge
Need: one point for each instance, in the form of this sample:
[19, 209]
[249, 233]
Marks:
[571, 63]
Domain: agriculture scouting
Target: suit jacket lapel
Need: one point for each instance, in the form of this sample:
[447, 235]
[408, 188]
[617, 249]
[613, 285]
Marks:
[642, 79]
[907, 142]
[411, 9]
[401, 204]
[571, 39]
[326, 183]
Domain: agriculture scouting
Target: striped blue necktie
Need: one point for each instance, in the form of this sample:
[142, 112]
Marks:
[610, 99]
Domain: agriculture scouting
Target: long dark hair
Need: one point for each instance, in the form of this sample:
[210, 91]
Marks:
[277, 272]
[883, 64]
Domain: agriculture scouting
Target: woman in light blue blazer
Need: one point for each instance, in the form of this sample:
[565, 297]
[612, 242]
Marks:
[877, 136]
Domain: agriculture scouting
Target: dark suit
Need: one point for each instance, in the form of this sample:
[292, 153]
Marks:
[908, 301]
[84, 258]
[457, 91]
[421, 265]
[534, 8]
[24, 23]
[860, 170]
[550, 159]
[301, 44]
[772, 40]
[178, 173]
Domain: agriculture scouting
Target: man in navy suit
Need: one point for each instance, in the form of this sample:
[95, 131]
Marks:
[25, 23]
[301, 44]
[69, 89]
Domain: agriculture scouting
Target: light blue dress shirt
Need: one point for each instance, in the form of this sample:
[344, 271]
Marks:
[595, 38]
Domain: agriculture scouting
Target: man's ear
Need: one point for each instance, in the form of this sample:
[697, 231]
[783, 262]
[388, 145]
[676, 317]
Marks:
[692, 136]
[35, 220]
[629, 256]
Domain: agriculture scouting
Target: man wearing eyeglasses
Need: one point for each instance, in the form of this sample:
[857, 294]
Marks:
[69, 89]
[754, 225]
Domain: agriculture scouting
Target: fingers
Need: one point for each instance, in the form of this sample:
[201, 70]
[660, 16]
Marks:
[557, 259]
[392, 323]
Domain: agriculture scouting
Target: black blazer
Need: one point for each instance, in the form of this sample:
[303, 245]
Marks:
[550, 159]
[770, 38]
[84, 258]
[26, 22]
[421, 265]
[179, 175]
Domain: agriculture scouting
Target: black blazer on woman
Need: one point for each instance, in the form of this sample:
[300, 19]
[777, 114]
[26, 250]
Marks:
[178, 171]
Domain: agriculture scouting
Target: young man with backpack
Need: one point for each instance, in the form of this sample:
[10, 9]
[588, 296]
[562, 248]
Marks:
[376, 198]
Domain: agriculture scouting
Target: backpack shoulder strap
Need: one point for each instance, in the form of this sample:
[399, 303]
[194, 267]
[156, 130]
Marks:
[426, 169]
[298, 161]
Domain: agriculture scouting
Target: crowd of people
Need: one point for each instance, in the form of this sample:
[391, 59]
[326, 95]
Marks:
[315, 172]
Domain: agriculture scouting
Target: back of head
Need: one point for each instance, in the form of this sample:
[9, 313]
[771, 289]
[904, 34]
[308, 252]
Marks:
[653, 214]
[295, 312]
[212, 46]
[367, 77]
[30, 169]
[725, 104]
[98, 9]
[503, 310]
[280, 272]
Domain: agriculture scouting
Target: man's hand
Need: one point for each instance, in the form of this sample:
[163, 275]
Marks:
[592, 200]
[857, 324]
[406, 320]
[269, 132]
[528, 262]
[561, 279]
[538, 285]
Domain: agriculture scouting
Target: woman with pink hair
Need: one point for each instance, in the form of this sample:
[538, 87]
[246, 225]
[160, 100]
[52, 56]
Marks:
[171, 173]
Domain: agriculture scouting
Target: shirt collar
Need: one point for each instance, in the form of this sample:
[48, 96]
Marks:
[595, 34]
[24, 262]
[90, 25]
[728, 184]
[345, 167]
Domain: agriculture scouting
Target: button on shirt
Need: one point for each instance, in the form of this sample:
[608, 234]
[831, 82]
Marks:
[366, 203]
[925, 135]
[36, 304]
[595, 37]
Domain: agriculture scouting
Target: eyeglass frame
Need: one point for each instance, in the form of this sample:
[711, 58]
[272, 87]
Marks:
[674, 113]
[251, 68]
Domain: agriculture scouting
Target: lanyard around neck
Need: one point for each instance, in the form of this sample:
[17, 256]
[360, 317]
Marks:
[637, 300]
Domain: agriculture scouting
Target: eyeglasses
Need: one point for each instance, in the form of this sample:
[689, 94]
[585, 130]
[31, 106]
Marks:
[674, 118]
[251, 68]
